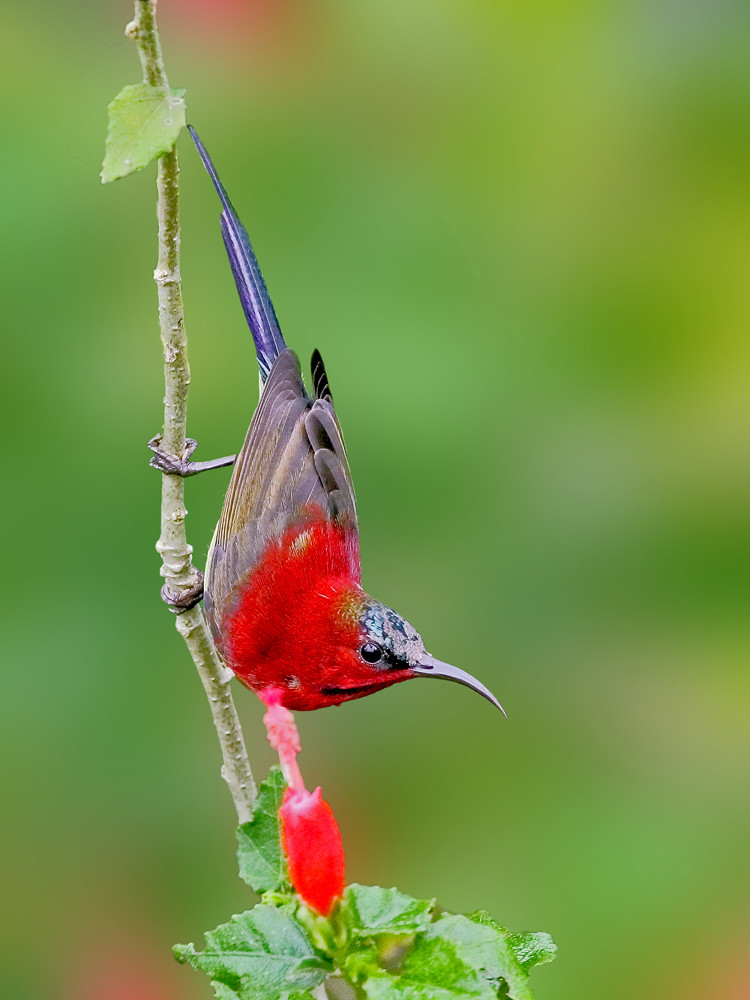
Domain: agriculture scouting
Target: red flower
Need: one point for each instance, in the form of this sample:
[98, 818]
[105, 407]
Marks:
[312, 843]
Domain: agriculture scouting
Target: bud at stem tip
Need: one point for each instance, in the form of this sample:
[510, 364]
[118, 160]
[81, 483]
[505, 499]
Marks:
[312, 843]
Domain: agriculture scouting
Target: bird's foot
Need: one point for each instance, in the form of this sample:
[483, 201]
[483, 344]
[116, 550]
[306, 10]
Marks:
[180, 465]
[179, 601]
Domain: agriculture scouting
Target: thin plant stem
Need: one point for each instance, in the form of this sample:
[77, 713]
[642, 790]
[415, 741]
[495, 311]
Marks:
[180, 575]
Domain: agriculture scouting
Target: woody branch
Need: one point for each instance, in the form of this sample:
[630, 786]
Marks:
[182, 580]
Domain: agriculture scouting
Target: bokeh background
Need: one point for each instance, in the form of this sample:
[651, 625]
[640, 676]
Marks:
[520, 235]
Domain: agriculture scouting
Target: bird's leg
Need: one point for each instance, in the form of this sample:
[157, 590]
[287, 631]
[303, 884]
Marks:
[283, 736]
[180, 465]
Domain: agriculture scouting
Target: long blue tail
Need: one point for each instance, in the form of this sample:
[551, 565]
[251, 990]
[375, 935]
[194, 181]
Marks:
[256, 302]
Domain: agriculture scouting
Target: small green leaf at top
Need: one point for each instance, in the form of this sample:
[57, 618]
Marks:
[260, 856]
[262, 954]
[369, 910]
[144, 123]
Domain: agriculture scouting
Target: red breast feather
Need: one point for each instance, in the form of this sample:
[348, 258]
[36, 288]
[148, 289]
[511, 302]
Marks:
[295, 624]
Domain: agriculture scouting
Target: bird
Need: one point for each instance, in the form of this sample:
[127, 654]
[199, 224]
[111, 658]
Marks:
[283, 595]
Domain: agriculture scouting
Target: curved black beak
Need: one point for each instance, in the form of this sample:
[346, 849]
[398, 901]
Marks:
[430, 667]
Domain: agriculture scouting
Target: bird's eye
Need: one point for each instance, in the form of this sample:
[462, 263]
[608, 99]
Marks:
[371, 652]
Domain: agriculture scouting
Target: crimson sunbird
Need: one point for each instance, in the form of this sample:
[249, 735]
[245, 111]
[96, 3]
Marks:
[283, 593]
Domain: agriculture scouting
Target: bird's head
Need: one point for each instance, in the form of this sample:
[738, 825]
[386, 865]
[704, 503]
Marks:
[381, 648]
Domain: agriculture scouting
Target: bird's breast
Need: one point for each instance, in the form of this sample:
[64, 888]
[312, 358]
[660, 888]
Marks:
[300, 602]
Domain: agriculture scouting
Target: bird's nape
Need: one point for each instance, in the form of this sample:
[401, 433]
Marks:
[430, 667]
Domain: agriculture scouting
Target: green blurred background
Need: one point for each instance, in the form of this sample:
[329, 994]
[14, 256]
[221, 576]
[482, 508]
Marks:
[520, 235]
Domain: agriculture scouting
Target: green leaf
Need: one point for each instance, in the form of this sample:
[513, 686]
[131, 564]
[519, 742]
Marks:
[222, 992]
[359, 965]
[433, 970]
[533, 948]
[144, 123]
[451, 957]
[501, 955]
[262, 954]
[369, 910]
[485, 949]
[260, 857]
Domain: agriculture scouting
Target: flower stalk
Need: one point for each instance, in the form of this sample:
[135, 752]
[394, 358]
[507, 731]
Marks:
[310, 835]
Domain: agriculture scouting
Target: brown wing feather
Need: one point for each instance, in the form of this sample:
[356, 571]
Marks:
[324, 433]
[293, 455]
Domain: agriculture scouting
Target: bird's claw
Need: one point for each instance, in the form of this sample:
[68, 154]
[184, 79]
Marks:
[175, 465]
[180, 465]
[184, 599]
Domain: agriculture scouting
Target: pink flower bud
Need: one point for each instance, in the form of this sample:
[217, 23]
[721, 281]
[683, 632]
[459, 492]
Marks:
[312, 843]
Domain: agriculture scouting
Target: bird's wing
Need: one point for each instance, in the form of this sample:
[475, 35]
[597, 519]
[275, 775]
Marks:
[293, 458]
